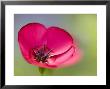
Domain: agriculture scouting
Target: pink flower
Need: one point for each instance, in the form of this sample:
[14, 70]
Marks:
[51, 47]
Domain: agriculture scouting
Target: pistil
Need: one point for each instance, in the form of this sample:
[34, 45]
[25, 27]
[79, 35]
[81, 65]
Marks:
[42, 54]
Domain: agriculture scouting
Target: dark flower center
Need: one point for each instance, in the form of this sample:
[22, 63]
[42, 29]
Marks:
[42, 54]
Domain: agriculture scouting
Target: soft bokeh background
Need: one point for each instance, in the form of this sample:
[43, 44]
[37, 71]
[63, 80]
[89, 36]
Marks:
[83, 27]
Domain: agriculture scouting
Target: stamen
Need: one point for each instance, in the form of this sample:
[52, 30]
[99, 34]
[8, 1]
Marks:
[41, 55]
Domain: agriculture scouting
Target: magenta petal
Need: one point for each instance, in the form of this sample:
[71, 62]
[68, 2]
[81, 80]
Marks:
[40, 64]
[59, 59]
[75, 58]
[58, 40]
[30, 36]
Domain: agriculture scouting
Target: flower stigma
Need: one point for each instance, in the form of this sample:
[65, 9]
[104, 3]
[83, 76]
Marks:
[42, 54]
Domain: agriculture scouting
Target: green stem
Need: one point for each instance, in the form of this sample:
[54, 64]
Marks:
[45, 71]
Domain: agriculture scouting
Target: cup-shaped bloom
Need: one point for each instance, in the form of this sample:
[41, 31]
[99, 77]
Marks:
[51, 47]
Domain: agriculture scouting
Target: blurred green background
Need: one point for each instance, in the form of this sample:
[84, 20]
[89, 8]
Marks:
[83, 27]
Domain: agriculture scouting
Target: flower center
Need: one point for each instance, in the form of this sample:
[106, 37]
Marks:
[42, 54]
